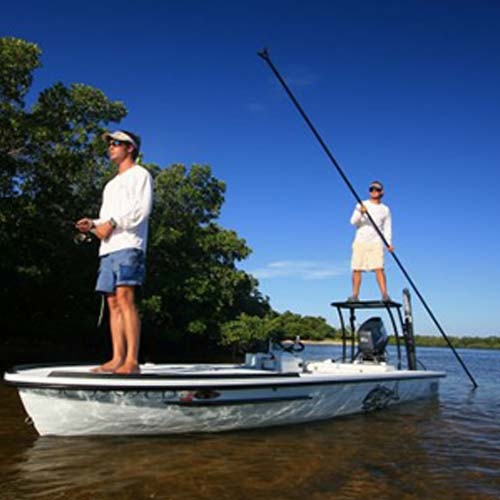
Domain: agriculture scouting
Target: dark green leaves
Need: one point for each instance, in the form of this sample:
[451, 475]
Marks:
[192, 259]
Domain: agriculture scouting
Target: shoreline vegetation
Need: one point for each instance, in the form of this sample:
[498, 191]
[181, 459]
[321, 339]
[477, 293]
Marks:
[491, 342]
[17, 351]
[47, 346]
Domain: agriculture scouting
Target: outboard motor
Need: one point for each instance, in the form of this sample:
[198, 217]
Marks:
[372, 340]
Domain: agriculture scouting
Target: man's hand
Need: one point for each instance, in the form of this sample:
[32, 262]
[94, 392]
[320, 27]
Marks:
[103, 231]
[390, 248]
[363, 209]
[84, 225]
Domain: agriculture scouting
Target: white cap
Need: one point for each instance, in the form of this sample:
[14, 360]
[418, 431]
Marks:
[121, 135]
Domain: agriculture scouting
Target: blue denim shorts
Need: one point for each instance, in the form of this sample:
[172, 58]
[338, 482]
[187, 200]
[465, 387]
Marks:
[124, 267]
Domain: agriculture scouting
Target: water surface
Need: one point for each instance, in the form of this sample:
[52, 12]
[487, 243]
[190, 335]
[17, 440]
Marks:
[446, 448]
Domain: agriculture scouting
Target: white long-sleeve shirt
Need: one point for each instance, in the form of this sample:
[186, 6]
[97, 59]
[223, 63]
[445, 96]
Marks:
[127, 199]
[365, 232]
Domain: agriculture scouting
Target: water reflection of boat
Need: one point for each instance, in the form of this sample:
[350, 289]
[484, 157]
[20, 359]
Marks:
[276, 387]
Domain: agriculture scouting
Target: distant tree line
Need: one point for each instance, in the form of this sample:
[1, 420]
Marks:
[491, 342]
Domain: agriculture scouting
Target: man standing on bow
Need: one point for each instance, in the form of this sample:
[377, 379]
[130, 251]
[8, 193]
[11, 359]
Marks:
[122, 227]
[368, 247]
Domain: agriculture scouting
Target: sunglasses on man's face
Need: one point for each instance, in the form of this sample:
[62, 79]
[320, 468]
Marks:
[376, 189]
[116, 143]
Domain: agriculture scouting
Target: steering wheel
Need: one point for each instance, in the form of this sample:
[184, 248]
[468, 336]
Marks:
[290, 346]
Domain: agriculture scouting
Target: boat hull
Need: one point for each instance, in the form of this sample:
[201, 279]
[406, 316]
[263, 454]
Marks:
[72, 411]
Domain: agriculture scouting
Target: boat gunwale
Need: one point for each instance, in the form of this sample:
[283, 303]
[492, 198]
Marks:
[271, 384]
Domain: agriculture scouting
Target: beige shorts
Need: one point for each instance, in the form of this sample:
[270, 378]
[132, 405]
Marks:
[367, 256]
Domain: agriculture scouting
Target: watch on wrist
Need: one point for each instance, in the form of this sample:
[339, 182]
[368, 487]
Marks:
[113, 223]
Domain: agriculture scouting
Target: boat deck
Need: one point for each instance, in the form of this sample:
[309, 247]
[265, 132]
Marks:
[160, 376]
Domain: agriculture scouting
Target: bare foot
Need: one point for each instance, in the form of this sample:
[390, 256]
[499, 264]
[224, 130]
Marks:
[128, 367]
[108, 367]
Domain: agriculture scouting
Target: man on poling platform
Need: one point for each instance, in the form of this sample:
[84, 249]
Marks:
[368, 247]
[122, 227]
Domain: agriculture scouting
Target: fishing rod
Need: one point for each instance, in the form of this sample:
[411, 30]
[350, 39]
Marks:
[264, 54]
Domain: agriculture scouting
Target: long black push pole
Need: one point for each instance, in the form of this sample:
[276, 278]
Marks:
[264, 54]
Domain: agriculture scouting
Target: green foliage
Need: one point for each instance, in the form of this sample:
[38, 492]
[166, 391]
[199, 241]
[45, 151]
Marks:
[54, 166]
[491, 342]
[247, 331]
[192, 260]
[291, 325]
[18, 60]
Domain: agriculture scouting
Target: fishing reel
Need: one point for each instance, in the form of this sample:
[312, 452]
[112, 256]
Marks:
[82, 238]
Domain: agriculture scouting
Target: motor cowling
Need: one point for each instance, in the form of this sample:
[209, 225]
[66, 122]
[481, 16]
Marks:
[373, 340]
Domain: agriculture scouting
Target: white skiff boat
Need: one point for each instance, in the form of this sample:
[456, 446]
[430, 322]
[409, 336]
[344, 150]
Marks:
[273, 388]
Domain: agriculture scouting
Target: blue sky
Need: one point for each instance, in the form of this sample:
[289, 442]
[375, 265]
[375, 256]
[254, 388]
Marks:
[405, 92]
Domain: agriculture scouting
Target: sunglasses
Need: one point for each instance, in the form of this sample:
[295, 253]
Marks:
[378, 190]
[116, 143]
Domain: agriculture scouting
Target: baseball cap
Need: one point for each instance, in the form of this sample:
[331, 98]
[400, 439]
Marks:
[377, 184]
[123, 135]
